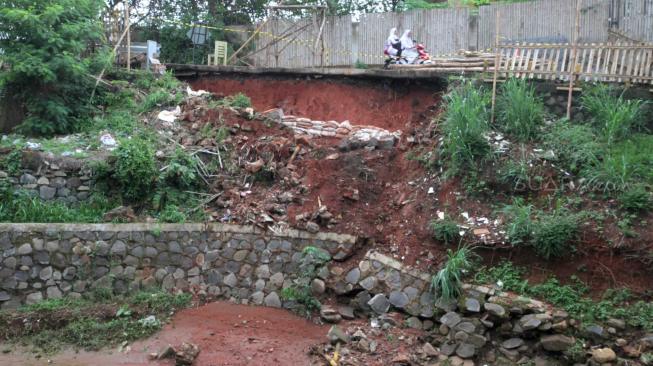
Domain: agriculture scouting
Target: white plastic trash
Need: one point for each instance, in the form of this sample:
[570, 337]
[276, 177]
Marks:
[170, 116]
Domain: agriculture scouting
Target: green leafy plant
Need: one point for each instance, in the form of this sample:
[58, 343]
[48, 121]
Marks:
[239, 100]
[446, 230]
[135, 168]
[172, 214]
[520, 222]
[300, 290]
[520, 113]
[465, 127]
[553, 233]
[46, 43]
[614, 116]
[516, 172]
[159, 98]
[636, 199]
[182, 170]
[575, 146]
[447, 283]
[361, 65]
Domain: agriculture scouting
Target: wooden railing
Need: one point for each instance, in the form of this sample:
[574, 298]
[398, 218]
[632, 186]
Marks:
[622, 63]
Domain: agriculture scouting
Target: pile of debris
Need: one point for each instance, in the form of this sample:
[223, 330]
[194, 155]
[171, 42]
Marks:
[184, 355]
[352, 136]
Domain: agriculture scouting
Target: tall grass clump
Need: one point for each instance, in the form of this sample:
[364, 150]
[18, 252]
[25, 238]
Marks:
[554, 232]
[465, 126]
[447, 283]
[575, 146]
[520, 113]
[627, 163]
[520, 226]
[612, 115]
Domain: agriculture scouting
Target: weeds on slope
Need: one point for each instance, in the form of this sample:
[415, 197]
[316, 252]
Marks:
[573, 297]
[520, 113]
[95, 321]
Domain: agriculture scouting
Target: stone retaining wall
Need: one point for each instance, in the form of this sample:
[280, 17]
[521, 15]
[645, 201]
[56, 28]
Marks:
[242, 263]
[52, 182]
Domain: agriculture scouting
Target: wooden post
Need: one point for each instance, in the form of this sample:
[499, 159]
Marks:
[129, 41]
[497, 64]
[574, 57]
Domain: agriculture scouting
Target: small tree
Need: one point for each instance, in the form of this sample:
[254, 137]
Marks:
[43, 43]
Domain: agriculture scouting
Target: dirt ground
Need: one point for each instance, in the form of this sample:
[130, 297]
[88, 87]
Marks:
[227, 334]
[395, 208]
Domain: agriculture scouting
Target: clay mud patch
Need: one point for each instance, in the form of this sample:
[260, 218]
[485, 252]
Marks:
[392, 105]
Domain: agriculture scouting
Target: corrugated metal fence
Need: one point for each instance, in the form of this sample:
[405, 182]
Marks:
[446, 31]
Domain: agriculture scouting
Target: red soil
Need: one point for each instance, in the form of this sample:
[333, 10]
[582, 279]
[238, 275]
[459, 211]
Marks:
[226, 334]
[390, 106]
[394, 208]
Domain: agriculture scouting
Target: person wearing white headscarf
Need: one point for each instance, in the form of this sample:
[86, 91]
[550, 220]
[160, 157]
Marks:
[409, 49]
[392, 45]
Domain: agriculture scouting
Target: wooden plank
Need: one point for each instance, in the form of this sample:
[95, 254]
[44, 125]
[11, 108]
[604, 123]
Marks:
[615, 62]
[599, 59]
[545, 60]
[514, 61]
[608, 59]
[555, 63]
[637, 65]
[590, 63]
[565, 64]
[580, 46]
[629, 68]
[649, 64]
[536, 60]
[525, 63]
[581, 62]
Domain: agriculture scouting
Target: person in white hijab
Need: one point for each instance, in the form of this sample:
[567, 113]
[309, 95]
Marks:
[392, 45]
[409, 50]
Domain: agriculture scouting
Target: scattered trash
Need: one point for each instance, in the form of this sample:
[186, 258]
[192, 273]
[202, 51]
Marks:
[195, 93]
[108, 141]
[33, 145]
[169, 116]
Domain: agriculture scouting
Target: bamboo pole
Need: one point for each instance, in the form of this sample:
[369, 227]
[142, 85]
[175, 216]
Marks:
[129, 41]
[574, 56]
[497, 64]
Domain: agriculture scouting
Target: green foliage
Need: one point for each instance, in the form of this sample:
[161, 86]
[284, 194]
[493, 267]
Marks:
[575, 146]
[520, 222]
[447, 283]
[520, 113]
[576, 353]
[11, 162]
[446, 230]
[572, 297]
[635, 199]
[157, 99]
[45, 44]
[516, 172]
[626, 163]
[553, 233]
[300, 290]
[89, 322]
[22, 207]
[172, 214]
[361, 65]
[239, 100]
[465, 127]
[135, 168]
[612, 115]
[182, 170]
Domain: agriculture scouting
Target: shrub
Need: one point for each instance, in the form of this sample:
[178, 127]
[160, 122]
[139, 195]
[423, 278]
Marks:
[626, 163]
[445, 230]
[611, 114]
[158, 98]
[520, 226]
[636, 199]
[520, 113]
[447, 283]
[465, 127]
[575, 146]
[182, 170]
[172, 214]
[239, 100]
[516, 172]
[554, 232]
[45, 42]
[135, 168]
